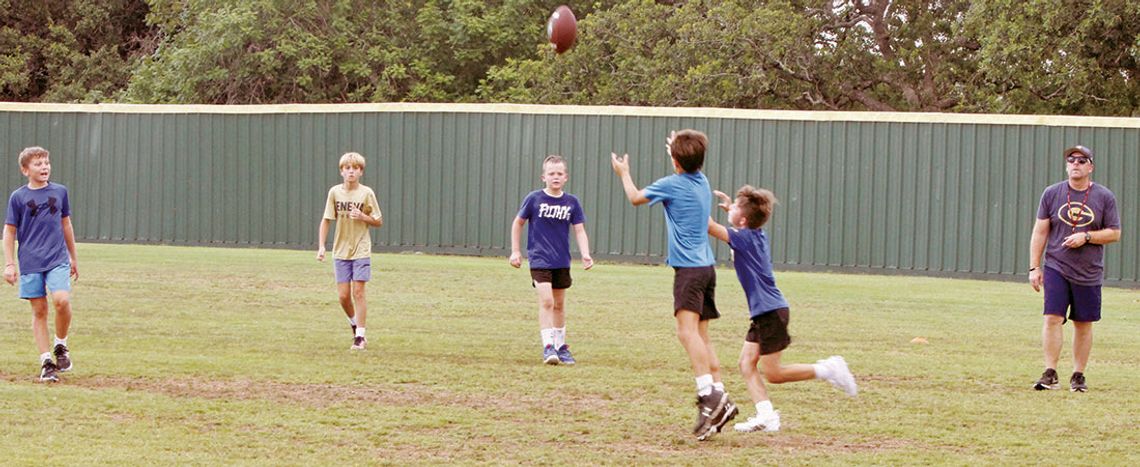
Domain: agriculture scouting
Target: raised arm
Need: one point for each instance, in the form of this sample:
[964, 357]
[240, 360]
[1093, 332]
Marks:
[718, 231]
[621, 168]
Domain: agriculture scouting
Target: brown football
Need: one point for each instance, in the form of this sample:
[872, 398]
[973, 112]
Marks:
[562, 29]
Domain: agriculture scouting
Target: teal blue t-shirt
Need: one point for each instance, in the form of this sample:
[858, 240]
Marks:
[688, 202]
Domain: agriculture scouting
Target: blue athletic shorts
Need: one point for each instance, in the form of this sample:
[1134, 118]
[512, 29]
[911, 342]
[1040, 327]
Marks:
[57, 279]
[352, 270]
[1081, 301]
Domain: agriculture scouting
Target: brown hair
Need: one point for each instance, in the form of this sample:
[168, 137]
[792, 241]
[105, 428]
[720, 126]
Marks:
[756, 205]
[688, 149]
[34, 152]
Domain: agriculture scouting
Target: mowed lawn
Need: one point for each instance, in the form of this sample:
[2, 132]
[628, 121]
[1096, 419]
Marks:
[240, 356]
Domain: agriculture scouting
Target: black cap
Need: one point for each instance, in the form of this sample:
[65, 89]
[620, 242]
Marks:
[1079, 149]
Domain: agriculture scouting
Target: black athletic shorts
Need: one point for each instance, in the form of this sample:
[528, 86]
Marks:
[694, 289]
[770, 330]
[558, 278]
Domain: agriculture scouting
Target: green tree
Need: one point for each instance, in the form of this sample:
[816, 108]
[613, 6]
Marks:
[69, 50]
[1077, 57]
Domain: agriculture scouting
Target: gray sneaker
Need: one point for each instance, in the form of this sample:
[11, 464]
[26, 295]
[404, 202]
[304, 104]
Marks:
[1048, 380]
[1077, 382]
[49, 373]
[62, 358]
[710, 409]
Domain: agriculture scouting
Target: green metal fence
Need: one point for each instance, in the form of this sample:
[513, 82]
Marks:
[936, 194]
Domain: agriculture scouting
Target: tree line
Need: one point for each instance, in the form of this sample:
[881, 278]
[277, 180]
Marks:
[1074, 57]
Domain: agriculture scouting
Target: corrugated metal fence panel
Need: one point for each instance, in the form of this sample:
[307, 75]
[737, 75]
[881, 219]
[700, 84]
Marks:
[930, 194]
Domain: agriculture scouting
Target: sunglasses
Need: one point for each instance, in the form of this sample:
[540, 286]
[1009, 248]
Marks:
[1079, 160]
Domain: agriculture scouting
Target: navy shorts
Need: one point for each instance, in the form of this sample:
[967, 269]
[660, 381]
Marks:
[1081, 301]
[694, 289]
[558, 278]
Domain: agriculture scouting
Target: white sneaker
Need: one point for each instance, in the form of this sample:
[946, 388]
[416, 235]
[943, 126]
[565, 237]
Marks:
[758, 423]
[841, 376]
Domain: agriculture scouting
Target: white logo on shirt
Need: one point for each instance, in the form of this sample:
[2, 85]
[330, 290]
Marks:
[554, 211]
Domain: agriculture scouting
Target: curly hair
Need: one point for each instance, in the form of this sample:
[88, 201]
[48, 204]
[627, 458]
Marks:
[756, 205]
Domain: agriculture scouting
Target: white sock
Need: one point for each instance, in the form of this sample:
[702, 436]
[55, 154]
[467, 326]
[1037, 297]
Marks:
[45, 357]
[359, 331]
[704, 385]
[719, 385]
[60, 341]
[821, 371]
[559, 337]
[352, 321]
[548, 337]
[764, 408]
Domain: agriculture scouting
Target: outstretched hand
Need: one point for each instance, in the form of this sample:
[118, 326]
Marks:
[725, 201]
[619, 164]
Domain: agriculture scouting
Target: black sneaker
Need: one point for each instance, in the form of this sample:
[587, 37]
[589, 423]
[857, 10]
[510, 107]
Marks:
[730, 412]
[49, 373]
[1048, 380]
[62, 358]
[710, 408]
[1077, 382]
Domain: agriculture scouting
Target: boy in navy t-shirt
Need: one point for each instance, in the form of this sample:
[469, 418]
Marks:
[688, 201]
[551, 213]
[39, 216]
[768, 335]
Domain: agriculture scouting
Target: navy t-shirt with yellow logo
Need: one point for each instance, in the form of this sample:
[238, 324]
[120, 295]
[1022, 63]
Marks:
[1070, 211]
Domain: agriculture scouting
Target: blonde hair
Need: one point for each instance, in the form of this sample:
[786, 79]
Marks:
[553, 159]
[34, 152]
[351, 159]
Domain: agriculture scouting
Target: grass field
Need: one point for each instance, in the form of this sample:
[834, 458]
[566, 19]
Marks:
[240, 356]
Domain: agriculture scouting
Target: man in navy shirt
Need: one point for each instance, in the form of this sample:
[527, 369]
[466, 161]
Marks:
[1075, 219]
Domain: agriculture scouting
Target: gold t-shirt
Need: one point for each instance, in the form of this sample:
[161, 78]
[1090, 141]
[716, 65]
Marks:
[351, 240]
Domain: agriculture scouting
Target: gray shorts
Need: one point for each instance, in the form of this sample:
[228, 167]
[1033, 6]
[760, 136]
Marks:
[353, 270]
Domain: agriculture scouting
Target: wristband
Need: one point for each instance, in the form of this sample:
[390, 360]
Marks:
[1034, 268]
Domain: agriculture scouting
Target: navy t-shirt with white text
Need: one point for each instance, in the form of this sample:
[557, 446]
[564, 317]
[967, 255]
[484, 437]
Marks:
[548, 233]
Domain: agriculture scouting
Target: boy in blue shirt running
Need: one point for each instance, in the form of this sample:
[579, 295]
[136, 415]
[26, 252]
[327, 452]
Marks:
[687, 198]
[552, 212]
[768, 335]
[39, 216]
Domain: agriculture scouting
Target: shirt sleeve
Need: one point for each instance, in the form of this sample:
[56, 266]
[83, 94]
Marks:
[659, 191]
[526, 210]
[734, 237]
[576, 214]
[15, 211]
[375, 203]
[1111, 215]
[1042, 206]
[330, 206]
[65, 207]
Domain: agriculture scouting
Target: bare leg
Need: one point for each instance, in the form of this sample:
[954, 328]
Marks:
[360, 300]
[558, 312]
[777, 373]
[344, 293]
[62, 300]
[688, 332]
[749, 357]
[714, 362]
[39, 324]
[1082, 344]
[545, 305]
[1052, 336]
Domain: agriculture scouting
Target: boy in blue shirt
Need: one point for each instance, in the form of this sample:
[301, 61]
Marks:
[687, 198]
[768, 335]
[552, 213]
[39, 216]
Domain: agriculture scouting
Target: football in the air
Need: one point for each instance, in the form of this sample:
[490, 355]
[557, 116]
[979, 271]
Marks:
[562, 29]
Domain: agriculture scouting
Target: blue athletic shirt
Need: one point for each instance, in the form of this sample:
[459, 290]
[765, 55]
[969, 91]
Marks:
[688, 203]
[38, 216]
[752, 258]
[548, 232]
